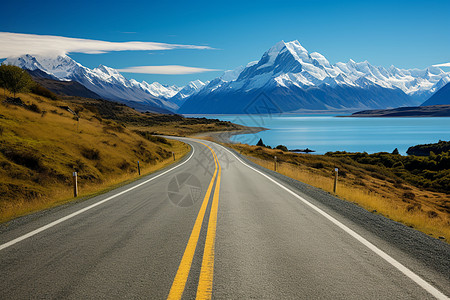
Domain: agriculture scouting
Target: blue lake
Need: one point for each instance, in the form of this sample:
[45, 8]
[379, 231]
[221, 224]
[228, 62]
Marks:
[324, 133]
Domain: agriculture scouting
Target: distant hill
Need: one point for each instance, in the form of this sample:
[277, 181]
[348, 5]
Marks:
[68, 88]
[441, 97]
[415, 111]
[76, 89]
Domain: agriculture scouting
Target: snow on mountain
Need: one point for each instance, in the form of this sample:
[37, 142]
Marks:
[231, 75]
[295, 79]
[190, 89]
[441, 97]
[161, 91]
[104, 81]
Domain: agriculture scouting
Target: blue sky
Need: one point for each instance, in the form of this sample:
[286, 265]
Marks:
[408, 34]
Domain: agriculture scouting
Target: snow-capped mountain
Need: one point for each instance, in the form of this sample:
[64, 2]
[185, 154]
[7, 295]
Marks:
[160, 90]
[291, 78]
[441, 97]
[190, 89]
[104, 81]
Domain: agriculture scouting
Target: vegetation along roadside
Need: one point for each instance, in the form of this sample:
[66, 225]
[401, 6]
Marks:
[413, 190]
[45, 137]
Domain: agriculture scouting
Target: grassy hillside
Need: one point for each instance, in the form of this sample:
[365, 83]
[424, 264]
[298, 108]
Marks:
[363, 179]
[150, 122]
[42, 142]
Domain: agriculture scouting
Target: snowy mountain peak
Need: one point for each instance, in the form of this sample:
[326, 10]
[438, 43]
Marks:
[297, 50]
[231, 75]
[104, 81]
[196, 84]
[25, 61]
[107, 70]
[162, 91]
[289, 71]
[59, 66]
[190, 89]
[320, 59]
[277, 47]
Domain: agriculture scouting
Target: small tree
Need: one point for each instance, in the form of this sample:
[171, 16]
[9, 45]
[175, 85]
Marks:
[14, 79]
[395, 151]
[260, 143]
[3, 78]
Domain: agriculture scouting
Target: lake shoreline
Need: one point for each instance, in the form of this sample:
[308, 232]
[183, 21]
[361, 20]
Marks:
[326, 133]
[431, 111]
[225, 136]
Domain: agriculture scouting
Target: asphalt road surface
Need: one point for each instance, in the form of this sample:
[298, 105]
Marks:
[216, 226]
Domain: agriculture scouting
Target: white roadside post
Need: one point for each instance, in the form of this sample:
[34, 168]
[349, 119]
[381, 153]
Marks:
[336, 170]
[275, 163]
[75, 185]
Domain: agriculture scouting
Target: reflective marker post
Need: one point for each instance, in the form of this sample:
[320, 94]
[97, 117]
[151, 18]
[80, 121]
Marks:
[139, 169]
[336, 170]
[75, 184]
[275, 163]
[173, 154]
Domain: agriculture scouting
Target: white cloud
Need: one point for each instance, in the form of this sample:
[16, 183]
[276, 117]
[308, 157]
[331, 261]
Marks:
[168, 70]
[442, 65]
[15, 44]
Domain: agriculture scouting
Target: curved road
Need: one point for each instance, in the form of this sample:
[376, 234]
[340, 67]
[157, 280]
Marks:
[214, 225]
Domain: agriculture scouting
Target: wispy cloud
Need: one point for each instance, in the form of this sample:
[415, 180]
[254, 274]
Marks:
[15, 44]
[442, 65]
[167, 70]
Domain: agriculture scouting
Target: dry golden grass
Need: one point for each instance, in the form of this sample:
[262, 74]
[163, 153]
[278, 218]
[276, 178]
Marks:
[384, 196]
[40, 150]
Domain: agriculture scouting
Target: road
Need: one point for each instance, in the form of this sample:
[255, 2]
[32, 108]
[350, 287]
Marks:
[216, 226]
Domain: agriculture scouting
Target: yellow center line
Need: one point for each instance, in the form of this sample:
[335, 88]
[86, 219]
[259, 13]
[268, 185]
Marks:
[176, 291]
[204, 289]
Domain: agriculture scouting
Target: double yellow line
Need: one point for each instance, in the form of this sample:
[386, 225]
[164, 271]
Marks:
[204, 289]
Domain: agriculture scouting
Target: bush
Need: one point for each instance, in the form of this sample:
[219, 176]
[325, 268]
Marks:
[124, 165]
[91, 154]
[34, 108]
[432, 214]
[24, 158]
[318, 165]
[42, 91]
[282, 148]
[409, 195]
[152, 138]
[17, 101]
[426, 149]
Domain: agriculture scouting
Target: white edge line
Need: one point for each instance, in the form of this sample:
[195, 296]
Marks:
[413, 276]
[50, 225]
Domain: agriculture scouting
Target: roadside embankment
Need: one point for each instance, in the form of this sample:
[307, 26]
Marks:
[372, 187]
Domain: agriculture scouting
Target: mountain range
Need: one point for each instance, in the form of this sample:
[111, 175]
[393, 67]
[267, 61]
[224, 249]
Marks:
[287, 78]
[441, 97]
[108, 83]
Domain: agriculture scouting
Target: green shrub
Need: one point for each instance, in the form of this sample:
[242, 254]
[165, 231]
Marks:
[282, 148]
[42, 91]
[24, 158]
[91, 154]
